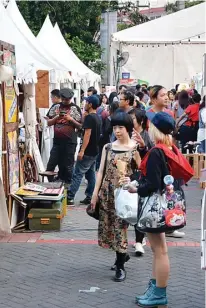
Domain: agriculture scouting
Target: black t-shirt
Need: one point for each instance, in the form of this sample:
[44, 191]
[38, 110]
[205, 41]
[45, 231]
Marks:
[92, 122]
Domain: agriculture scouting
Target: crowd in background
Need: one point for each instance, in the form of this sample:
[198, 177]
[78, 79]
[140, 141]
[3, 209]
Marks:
[130, 135]
[185, 105]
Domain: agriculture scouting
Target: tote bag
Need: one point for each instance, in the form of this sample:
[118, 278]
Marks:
[162, 212]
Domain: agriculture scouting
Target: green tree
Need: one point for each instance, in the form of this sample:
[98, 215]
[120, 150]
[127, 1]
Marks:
[79, 22]
[173, 7]
[90, 54]
[134, 16]
[192, 3]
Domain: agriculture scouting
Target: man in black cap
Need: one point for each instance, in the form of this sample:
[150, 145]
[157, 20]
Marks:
[66, 123]
[86, 162]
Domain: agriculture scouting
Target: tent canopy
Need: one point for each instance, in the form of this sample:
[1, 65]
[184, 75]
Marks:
[91, 76]
[48, 35]
[30, 56]
[46, 38]
[180, 26]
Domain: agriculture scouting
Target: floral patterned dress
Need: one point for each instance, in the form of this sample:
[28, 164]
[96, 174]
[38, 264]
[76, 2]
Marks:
[112, 231]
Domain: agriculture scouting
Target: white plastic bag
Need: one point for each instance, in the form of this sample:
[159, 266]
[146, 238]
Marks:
[126, 205]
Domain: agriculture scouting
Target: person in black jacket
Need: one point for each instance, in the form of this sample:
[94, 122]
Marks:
[154, 167]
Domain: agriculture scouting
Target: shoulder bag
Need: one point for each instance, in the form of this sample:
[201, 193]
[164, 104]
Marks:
[162, 211]
[94, 213]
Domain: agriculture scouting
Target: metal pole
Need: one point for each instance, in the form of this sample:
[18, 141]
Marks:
[108, 47]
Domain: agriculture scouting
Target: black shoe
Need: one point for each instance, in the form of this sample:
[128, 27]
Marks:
[114, 267]
[70, 202]
[86, 201]
[120, 275]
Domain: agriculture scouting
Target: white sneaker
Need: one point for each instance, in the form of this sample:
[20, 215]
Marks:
[144, 243]
[176, 234]
[139, 250]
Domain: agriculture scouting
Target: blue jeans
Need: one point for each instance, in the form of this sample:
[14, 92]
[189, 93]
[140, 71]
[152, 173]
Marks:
[86, 167]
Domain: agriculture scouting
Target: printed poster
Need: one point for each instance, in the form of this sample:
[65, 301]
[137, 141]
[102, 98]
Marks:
[13, 155]
[11, 111]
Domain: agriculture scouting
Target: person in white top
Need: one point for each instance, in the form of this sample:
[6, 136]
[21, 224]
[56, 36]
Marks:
[201, 135]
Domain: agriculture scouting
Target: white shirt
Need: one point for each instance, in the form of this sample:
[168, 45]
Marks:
[201, 135]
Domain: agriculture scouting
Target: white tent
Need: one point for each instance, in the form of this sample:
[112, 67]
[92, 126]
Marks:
[47, 36]
[91, 77]
[29, 53]
[167, 50]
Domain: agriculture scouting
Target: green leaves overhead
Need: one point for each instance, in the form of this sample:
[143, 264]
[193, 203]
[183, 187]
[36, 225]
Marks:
[79, 22]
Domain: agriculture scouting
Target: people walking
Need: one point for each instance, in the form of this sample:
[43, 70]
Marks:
[89, 149]
[112, 231]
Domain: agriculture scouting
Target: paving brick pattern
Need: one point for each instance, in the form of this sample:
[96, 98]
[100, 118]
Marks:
[51, 275]
[47, 270]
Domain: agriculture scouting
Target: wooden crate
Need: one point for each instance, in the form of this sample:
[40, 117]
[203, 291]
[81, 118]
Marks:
[194, 162]
[198, 162]
[202, 165]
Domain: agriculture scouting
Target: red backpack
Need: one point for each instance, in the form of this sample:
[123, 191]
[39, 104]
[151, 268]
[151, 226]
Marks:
[178, 165]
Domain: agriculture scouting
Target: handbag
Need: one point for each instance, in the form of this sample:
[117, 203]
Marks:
[162, 212]
[94, 213]
[126, 204]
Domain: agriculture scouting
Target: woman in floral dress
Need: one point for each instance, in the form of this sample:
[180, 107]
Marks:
[121, 158]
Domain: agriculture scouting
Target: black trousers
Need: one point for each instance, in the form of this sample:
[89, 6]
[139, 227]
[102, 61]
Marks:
[139, 236]
[62, 155]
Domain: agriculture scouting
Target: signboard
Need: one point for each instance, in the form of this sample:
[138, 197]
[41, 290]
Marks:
[11, 111]
[125, 75]
[109, 90]
[9, 60]
[141, 82]
[128, 82]
[42, 89]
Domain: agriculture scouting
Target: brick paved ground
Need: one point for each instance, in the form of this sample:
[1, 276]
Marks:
[38, 270]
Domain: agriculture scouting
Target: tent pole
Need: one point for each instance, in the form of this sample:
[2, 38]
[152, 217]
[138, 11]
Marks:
[173, 60]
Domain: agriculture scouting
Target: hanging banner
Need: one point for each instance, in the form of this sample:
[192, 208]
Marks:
[13, 164]
[128, 82]
[109, 90]
[11, 112]
[141, 82]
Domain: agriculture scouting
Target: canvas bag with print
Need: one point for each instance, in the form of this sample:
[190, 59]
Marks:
[162, 211]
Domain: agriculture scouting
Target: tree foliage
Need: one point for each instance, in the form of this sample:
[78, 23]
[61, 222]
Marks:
[79, 21]
[173, 7]
[134, 16]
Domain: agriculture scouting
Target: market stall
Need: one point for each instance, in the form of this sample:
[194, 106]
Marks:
[167, 50]
[30, 59]
[9, 153]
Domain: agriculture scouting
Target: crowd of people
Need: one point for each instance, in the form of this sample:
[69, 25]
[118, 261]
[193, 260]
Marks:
[142, 127]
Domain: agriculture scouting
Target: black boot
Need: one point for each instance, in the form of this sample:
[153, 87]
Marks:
[120, 274]
[114, 267]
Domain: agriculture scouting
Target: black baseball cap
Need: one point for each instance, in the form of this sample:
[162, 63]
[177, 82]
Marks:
[162, 121]
[66, 93]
